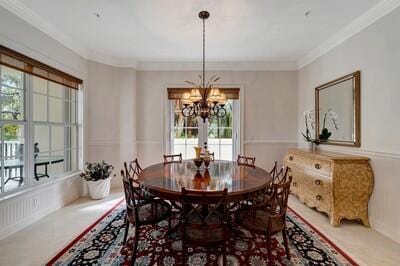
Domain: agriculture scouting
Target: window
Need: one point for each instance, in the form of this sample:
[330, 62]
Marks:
[220, 134]
[185, 133]
[39, 126]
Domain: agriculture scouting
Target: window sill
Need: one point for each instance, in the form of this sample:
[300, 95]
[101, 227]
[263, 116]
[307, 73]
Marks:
[34, 187]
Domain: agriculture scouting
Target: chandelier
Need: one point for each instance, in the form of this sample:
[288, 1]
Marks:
[204, 100]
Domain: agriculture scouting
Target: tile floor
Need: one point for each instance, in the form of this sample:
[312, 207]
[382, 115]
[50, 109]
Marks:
[40, 241]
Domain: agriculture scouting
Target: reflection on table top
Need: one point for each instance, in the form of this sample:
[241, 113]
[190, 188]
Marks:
[170, 178]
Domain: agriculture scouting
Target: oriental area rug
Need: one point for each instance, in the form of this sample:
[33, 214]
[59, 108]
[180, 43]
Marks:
[101, 244]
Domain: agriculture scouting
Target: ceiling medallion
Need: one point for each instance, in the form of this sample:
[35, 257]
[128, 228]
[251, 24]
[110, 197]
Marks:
[204, 100]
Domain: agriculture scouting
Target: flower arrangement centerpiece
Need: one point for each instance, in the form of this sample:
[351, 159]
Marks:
[97, 176]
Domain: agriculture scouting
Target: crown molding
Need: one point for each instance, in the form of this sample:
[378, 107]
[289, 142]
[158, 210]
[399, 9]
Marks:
[112, 60]
[35, 20]
[217, 66]
[4, 40]
[378, 11]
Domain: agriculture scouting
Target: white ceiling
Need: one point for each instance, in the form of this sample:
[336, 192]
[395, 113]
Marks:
[170, 30]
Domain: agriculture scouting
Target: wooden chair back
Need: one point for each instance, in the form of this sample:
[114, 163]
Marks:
[274, 171]
[133, 169]
[132, 189]
[204, 207]
[172, 158]
[247, 161]
[281, 175]
[278, 204]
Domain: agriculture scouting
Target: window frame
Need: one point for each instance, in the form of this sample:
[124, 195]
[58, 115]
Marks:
[29, 138]
[203, 130]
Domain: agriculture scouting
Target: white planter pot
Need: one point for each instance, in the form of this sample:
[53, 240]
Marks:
[99, 189]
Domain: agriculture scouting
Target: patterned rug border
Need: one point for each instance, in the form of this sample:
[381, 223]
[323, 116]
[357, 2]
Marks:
[77, 238]
[344, 254]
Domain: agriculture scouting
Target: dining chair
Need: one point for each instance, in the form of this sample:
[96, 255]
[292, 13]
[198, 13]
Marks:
[172, 158]
[204, 219]
[247, 161]
[278, 175]
[141, 210]
[268, 218]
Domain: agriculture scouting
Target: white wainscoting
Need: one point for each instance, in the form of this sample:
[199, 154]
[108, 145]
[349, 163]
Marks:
[24, 209]
[384, 205]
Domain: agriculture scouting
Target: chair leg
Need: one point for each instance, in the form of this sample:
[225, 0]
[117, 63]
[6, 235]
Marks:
[285, 242]
[224, 255]
[269, 249]
[134, 253]
[170, 224]
[126, 230]
[183, 253]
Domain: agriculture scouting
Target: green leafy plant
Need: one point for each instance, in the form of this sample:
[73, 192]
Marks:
[97, 171]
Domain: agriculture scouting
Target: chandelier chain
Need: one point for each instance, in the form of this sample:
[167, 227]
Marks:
[204, 53]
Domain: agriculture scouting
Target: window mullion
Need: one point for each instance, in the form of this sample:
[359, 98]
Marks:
[29, 137]
[2, 160]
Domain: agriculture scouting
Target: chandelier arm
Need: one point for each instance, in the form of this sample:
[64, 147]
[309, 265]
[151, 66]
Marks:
[221, 114]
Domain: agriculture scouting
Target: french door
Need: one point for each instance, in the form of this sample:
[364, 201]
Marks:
[220, 134]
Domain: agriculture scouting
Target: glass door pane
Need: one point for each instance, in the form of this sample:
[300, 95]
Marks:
[220, 134]
[185, 133]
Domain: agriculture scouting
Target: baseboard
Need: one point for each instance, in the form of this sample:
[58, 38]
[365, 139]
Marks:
[392, 233]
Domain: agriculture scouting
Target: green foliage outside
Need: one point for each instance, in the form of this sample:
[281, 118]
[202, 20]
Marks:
[217, 128]
[12, 102]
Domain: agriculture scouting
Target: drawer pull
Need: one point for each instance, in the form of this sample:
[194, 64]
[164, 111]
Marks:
[317, 166]
[318, 182]
[290, 158]
[318, 197]
[294, 184]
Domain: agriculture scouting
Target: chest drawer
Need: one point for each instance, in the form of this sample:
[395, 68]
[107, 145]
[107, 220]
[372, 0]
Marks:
[314, 190]
[321, 167]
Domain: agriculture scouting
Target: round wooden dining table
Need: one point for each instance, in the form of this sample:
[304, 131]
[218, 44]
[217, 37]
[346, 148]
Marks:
[166, 180]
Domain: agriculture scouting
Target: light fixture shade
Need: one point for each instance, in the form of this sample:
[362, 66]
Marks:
[222, 99]
[214, 95]
[195, 95]
[186, 98]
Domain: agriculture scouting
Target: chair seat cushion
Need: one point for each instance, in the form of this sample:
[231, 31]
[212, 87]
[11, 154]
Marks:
[212, 232]
[257, 220]
[150, 211]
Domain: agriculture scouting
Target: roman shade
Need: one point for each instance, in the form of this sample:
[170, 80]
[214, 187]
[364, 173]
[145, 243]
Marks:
[176, 93]
[31, 66]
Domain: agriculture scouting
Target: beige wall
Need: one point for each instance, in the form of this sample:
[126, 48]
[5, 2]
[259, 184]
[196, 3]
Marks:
[269, 111]
[111, 119]
[376, 52]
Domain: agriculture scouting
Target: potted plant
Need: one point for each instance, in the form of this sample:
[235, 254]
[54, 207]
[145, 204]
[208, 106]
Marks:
[97, 176]
[309, 118]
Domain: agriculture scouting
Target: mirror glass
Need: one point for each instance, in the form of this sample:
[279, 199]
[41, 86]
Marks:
[337, 105]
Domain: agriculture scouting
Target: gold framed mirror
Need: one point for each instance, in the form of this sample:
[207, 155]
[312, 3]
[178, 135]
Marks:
[337, 111]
